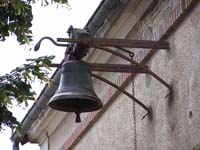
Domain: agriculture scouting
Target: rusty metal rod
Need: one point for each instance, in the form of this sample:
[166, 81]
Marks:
[115, 53]
[118, 42]
[127, 51]
[136, 63]
[123, 91]
[116, 68]
[111, 68]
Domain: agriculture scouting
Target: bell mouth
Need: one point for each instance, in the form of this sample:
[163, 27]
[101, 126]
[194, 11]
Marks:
[74, 103]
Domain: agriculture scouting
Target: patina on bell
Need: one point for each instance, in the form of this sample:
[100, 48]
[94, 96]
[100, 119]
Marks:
[75, 92]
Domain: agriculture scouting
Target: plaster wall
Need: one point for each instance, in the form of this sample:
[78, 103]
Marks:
[175, 121]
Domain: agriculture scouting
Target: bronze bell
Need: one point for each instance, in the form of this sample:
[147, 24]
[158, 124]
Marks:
[75, 92]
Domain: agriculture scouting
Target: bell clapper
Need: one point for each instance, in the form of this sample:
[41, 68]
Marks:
[78, 118]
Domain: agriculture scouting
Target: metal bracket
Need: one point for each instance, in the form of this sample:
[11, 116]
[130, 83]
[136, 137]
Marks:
[84, 43]
[101, 43]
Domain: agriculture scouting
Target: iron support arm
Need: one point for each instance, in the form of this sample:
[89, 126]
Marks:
[136, 63]
[118, 42]
[111, 68]
[116, 68]
[123, 91]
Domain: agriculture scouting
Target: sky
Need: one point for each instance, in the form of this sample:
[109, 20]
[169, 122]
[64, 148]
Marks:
[50, 21]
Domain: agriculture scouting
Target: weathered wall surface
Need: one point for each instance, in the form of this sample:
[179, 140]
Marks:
[175, 121]
[175, 124]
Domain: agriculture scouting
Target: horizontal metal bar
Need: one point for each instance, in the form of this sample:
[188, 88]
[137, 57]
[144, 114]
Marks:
[118, 42]
[112, 68]
[117, 68]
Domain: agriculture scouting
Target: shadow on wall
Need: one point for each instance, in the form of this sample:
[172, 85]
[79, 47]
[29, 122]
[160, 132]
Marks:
[196, 147]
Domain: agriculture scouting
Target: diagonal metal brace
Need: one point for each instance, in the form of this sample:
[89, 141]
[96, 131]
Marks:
[136, 63]
[123, 91]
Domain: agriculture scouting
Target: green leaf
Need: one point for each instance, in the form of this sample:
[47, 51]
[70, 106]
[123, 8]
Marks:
[16, 19]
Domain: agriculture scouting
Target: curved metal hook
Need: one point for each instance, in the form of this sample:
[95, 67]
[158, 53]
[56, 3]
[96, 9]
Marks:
[37, 46]
[131, 54]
